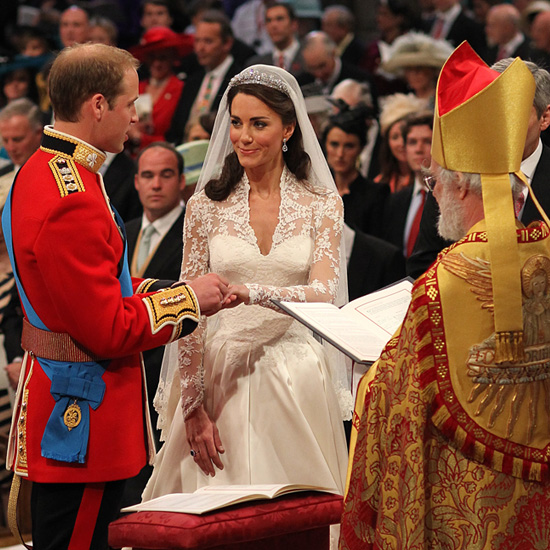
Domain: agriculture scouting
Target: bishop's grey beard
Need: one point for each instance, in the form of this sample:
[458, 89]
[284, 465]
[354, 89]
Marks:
[451, 218]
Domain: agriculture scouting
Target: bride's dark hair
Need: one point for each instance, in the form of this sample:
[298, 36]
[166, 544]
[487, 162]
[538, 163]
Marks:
[296, 159]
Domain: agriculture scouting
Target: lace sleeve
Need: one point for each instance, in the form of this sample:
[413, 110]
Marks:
[195, 262]
[325, 268]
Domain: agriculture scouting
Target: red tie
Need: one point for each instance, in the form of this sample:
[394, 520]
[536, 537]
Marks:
[413, 234]
[281, 62]
[501, 53]
[437, 30]
[519, 205]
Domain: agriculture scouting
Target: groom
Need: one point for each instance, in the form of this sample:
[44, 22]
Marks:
[81, 425]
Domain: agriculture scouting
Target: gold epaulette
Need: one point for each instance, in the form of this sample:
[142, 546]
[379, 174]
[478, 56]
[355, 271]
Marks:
[66, 175]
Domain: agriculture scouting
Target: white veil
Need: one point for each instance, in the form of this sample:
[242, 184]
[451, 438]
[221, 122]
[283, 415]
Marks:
[319, 177]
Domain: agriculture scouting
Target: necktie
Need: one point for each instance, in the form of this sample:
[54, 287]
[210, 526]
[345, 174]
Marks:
[437, 29]
[519, 205]
[413, 234]
[144, 245]
[281, 61]
[501, 53]
[204, 104]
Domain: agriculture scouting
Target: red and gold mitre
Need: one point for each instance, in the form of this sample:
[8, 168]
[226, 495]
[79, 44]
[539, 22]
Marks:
[480, 126]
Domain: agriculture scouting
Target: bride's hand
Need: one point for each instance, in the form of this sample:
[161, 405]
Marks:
[204, 440]
[240, 295]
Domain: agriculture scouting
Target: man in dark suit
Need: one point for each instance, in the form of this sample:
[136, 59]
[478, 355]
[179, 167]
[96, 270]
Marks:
[535, 165]
[155, 251]
[454, 25]
[373, 263]
[404, 208]
[504, 35]
[281, 25]
[118, 177]
[339, 23]
[324, 66]
[204, 88]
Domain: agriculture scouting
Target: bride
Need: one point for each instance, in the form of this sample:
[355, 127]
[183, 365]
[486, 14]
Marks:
[251, 397]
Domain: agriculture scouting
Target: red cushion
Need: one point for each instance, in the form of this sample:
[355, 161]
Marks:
[236, 524]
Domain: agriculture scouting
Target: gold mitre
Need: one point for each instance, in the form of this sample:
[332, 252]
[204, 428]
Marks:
[481, 115]
[480, 126]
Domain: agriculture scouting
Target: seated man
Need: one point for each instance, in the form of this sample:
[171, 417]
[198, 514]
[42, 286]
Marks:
[451, 434]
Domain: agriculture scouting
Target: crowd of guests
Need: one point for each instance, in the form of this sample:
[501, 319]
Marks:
[188, 55]
[370, 104]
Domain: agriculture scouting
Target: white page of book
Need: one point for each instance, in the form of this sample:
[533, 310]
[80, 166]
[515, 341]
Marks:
[364, 339]
[264, 489]
[384, 308]
[197, 502]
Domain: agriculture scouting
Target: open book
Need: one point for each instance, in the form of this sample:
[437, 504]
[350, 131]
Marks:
[361, 328]
[213, 497]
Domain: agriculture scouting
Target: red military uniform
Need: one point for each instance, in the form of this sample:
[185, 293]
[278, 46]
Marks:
[69, 252]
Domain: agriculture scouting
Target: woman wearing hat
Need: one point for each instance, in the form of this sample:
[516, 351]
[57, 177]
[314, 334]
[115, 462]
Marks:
[394, 168]
[418, 58]
[160, 50]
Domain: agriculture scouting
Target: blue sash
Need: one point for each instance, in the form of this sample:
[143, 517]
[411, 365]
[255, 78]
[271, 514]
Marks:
[78, 382]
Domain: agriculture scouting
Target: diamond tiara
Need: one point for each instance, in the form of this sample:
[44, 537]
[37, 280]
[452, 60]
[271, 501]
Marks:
[252, 76]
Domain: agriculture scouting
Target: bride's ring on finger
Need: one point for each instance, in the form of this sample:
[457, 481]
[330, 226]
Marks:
[194, 453]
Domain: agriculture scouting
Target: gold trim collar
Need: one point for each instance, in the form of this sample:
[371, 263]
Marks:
[64, 145]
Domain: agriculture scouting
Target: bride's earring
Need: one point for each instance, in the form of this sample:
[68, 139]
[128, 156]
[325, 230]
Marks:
[285, 146]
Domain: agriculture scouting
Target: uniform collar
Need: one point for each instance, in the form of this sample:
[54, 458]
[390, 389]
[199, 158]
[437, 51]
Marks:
[64, 145]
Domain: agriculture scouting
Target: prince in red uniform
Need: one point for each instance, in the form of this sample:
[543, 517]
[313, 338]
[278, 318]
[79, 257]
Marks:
[82, 425]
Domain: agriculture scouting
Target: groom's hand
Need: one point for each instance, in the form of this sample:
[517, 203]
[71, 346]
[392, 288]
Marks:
[212, 292]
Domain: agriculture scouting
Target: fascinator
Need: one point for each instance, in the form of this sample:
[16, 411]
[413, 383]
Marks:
[162, 38]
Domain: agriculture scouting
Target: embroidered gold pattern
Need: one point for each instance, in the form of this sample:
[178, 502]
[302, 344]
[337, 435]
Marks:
[21, 464]
[66, 175]
[171, 306]
[84, 154]
[72, 416]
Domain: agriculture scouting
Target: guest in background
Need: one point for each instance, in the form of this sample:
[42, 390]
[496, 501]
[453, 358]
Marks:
[103, 31]
[452, 23]
[355, 94]
[201, 128]
[204, 88]
[418, 59]
[156, 13]
[339, 23]
[364, 200]
[373, 263]
[504, 36]
[160, 49]
[540, 33]
[16, 83]
[324, 66]
[394, 168]
[20, 132]
[404, 208]
[282, 25]
[393, 19]
[248, 23]
[74, 26]
[154, 251]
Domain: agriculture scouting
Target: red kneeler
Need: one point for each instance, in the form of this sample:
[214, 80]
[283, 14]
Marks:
[297, 521]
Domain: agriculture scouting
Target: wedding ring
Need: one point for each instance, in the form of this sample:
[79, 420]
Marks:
[193, 453]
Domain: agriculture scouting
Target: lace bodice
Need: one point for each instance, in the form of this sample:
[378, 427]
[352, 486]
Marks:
[302, 265]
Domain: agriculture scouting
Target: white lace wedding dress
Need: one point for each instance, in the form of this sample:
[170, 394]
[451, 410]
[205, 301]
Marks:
[263, 378]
